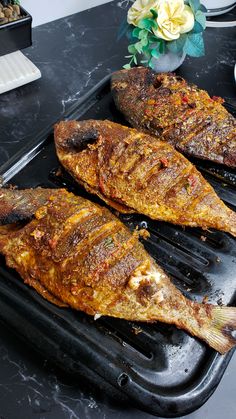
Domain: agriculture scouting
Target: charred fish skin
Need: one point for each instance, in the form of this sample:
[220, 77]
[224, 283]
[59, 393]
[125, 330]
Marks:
[78, 254]
[141, 174]
[167, 106]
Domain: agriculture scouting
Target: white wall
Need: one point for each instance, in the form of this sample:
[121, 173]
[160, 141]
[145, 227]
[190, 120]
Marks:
[46, 10]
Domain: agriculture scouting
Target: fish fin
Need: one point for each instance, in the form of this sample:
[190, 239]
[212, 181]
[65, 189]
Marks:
[116, 205]
[221, 333]
[44, 292]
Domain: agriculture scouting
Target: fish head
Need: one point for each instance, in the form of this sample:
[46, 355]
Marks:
[132, 79]
[129, 87]
[139, 83]
[75, 136]
[19, 205]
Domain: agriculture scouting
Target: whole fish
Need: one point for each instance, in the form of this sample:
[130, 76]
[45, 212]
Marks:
[136, 172]
[177, 112]
[78, 254]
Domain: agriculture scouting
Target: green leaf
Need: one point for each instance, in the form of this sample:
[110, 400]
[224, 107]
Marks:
[201, 18]
[154, 25]
[147, 24]
[155, 53]
[162, 47]
[146, 51]
[197, 27]
[153, 38]
[194, 45]
[203, 8]
[135, 32]
[195, 5]
[151, 64]
[178, 45]
[135, 59]
[127, 66]
[144, 42]
[154, 13]
[143, 34]
[154, 45]
[132, 49]
[138, 46]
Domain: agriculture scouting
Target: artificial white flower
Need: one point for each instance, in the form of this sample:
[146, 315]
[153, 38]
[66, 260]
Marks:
[174, 18]
[141, 10]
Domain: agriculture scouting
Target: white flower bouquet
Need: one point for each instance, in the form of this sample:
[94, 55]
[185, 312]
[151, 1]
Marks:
[157, 27]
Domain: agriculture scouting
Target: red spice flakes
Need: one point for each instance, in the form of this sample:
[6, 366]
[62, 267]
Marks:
[103, 267]
[101, 185]
[53, 242]
[148, 112]
[218, 99]
[185, 99]
[192, 181]
[58, 172]
[164, 162]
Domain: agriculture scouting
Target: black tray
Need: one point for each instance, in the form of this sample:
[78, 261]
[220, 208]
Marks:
[158, 367]
[17, 34]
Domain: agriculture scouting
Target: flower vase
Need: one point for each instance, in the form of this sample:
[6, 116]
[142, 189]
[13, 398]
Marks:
[167, 62]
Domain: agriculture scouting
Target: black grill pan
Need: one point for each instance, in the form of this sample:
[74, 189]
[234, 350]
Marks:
[161, 369]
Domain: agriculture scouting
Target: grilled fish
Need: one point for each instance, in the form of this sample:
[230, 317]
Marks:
[78, 254]
[140, 173]
[177, 112]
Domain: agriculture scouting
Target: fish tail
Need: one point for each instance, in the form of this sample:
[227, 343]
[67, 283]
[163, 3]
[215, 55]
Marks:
[220, 332]
[224, 219]
[232, 224]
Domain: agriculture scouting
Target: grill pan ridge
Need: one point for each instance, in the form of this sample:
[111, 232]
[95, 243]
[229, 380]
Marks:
[158, 367]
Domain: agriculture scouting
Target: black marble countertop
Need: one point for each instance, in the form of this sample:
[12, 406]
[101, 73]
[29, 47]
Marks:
[73, 54]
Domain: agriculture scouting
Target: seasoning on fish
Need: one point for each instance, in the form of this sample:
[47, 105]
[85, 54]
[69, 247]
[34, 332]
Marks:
[140, 173]
[185, 116]
[76, 253]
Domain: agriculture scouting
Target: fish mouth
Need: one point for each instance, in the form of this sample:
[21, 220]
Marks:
[136, 76]
[21, 205]
[120, 79]
[124, 76]
[76, 136]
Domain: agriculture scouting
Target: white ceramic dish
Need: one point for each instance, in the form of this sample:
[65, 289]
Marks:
[216, 8]
[16, 70]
